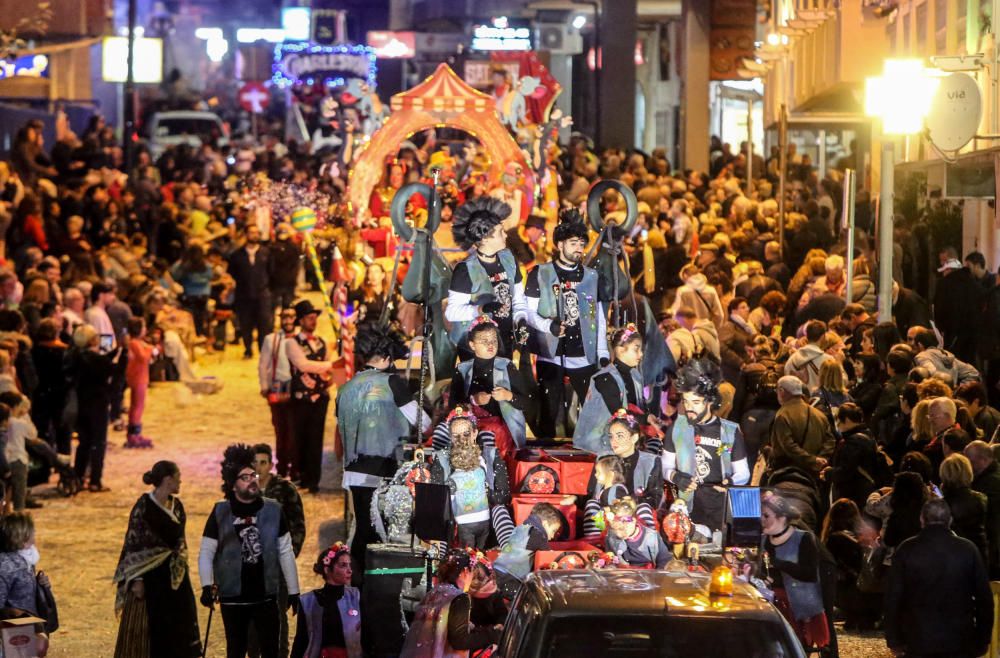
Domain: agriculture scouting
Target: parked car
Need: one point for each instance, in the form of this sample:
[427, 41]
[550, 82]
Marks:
[185, 127]
[638, 613]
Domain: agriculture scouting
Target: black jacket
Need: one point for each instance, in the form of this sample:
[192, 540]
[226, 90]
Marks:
[988, 484]
[284, 261]
[968, 516]
[911, 310]
[938, 599]
[252, 281]
[853, 471]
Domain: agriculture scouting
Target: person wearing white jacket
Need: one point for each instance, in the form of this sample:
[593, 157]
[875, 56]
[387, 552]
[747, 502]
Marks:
[697, 294]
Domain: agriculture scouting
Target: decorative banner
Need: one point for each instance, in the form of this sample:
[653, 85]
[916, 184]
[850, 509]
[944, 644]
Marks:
[299, 62]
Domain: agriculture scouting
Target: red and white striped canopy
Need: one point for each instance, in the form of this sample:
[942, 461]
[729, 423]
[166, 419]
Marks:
[444, 91]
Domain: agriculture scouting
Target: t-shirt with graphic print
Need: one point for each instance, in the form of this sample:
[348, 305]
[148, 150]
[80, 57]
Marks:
[503, 294]
[571, 344]
[709, 505]
[252, 588]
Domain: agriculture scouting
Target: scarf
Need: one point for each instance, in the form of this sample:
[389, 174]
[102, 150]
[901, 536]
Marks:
[144, 550]
[743, 324]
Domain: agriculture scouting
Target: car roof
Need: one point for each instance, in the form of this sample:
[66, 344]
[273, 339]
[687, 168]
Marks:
[635, 591]
[186, 114]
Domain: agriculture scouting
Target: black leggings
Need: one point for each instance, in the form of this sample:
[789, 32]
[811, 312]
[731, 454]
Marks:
[237, 620]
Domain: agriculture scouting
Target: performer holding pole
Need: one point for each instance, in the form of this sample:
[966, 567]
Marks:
[569, 327]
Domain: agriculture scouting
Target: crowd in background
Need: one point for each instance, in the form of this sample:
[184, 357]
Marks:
[112, 279]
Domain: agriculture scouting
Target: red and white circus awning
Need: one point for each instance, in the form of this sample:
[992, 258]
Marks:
[443, 91]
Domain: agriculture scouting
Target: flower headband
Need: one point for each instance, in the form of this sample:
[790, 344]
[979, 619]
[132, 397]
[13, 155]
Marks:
[461, 413]
[627, 333]
[621, 414]
[478, 557]
[481, 320]
[335, 551]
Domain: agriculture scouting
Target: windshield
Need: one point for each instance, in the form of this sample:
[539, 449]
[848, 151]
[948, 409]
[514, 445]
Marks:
[174, 127]
[667, 637]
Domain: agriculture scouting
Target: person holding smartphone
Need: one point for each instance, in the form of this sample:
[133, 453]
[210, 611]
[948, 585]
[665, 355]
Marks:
[93, 372]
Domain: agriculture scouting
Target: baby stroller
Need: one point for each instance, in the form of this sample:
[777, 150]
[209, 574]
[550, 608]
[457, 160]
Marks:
[43, 460]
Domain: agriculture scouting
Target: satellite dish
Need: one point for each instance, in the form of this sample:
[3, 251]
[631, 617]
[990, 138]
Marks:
[956, 110]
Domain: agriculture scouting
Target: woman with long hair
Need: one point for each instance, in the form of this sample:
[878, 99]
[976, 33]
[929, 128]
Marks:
[154, 596]
[27, 229]
[843, 528]
[373, 295]
[867, 387]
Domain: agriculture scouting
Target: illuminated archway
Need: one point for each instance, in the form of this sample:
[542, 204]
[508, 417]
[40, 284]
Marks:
[442, 100]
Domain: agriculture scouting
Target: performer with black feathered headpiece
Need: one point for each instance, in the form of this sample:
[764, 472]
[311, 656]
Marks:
[569, 324]
[703, 453]
[375, 411]
[488, 282]
[246, 549]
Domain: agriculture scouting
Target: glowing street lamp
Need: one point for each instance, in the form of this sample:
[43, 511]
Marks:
[901, 97]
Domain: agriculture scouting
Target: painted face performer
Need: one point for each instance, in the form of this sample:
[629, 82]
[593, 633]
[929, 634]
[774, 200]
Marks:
[488, 281]
[703, 453]
[569, 324]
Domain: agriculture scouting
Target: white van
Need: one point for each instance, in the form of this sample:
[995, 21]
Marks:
[185, 127]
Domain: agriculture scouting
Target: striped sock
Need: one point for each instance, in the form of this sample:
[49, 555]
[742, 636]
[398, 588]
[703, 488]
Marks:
[503, 525]
[590, 513]
[646, 515]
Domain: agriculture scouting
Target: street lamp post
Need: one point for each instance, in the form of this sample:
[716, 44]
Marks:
[901, 98]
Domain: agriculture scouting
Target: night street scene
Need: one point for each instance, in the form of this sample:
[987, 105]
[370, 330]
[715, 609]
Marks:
[499, 328]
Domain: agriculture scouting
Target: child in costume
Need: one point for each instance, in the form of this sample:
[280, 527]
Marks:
[491, 386]
[517, 552]
[460, 428]
[634, 543]
[140, 353]
[609, 477]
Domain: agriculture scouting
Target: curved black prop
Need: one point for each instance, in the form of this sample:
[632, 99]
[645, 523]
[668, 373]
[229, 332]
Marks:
[610, 241]
[397, 211]
[408, 234]
[594, 216]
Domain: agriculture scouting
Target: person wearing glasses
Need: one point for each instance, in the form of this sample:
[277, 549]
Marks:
[246, 549]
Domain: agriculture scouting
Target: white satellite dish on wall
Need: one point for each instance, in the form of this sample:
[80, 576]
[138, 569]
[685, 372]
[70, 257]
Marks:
[955, 112]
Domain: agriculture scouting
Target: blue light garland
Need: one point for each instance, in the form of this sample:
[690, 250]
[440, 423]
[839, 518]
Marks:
[282, 50]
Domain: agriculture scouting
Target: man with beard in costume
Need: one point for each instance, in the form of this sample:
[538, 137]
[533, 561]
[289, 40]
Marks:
[245, 549]
[703, 454]
[569, 323]
[488, 282]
